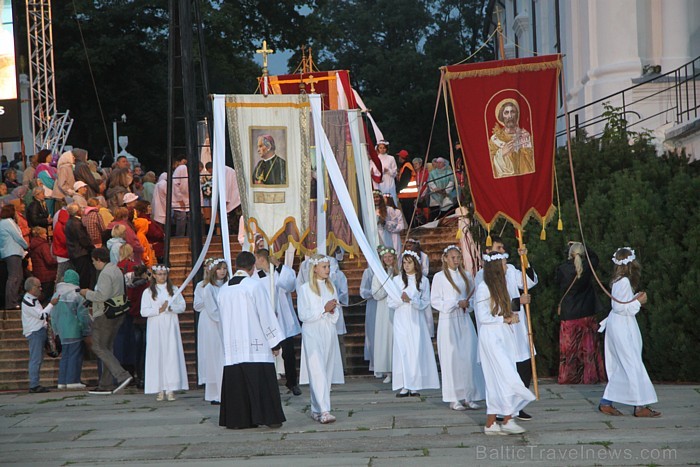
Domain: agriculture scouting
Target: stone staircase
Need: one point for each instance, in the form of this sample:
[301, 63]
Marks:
[14, 352]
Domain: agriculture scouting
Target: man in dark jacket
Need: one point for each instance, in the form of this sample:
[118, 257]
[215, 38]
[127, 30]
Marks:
[37, 213]
[83, 173]
[79, 246]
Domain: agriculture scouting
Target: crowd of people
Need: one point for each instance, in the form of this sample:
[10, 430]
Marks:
[88, 243]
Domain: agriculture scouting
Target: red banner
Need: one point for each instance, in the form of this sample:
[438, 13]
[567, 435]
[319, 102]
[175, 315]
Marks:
[505, 112]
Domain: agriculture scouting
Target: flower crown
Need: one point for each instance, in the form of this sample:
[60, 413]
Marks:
[214, 262]
[629, 259]
[160, 267]
[377, 193]
[496, 257]
[413, 240]
[323, 259]
[450, 247]
[382, 250]
[411, 253]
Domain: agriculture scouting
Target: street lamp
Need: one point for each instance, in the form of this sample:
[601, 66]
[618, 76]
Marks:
[114, 130]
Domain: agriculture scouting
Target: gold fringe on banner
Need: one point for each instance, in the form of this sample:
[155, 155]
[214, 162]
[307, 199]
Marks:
[449, 75]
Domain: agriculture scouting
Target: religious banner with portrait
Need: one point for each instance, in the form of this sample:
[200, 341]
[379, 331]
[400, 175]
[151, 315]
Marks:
[269, 138]
[505, 112]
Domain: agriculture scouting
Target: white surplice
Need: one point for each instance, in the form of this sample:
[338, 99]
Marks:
[370, 315]
[165, 357]
[211, 343]
[505, 392]
[321, 365]
[628, 381]
[462, 376]
[383, 329]
[413, 357]
[248, 321]
[285, 283]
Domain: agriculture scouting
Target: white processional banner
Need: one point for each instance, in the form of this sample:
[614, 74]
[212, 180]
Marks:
[269, 139]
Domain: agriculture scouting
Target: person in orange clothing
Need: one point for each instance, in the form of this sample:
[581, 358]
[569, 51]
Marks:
[148, 256]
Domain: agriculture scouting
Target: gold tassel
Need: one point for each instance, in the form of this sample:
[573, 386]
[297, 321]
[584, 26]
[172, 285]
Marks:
[489, 242]
[460, 234]
[543, 234]
[560, 225]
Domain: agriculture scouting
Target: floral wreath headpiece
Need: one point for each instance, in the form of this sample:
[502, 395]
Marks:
[629, 259]
[450, 247]
[214, 262]
[323, 259]
[496, 257]
[160, 267]
[413, 240]
[411, 253]
[377, 193]
[382, 250]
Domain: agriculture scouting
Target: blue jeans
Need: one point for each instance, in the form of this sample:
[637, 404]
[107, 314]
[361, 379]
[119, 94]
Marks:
[36, 355]
[71, 364]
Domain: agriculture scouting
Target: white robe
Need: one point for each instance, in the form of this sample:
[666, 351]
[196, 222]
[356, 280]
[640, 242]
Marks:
[340, 281]
[370, 315]
[211, 342]
[321, 365]
[505, 392]
[388, 183]
[249, 324]
[462, 376]
[413, 357]
[165, 357]
[514, 281]
[390, 231]
[285, 283]
[383, 329]
[628, 381]
[198, 306]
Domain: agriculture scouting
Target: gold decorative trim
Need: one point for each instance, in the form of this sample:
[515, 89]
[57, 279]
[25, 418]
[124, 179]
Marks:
[450, 75]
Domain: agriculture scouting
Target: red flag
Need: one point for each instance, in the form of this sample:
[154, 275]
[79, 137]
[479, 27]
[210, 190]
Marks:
[505, 112]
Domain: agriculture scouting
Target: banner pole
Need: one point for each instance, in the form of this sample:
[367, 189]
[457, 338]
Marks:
[523, 267]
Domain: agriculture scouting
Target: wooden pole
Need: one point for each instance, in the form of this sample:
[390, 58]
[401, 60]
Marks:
[523, 267]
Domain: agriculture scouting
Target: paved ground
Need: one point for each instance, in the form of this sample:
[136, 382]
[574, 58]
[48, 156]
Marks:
[374, 428]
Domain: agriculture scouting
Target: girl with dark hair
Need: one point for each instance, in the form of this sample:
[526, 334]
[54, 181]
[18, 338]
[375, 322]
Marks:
[628, 381]
[210, 332]
[413, 357]
[462, 377]
[165, 359]
[506, 395]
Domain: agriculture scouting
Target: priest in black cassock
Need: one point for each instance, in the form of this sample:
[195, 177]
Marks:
[250, 394]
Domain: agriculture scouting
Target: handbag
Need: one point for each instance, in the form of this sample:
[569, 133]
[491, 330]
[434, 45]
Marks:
[117, 306]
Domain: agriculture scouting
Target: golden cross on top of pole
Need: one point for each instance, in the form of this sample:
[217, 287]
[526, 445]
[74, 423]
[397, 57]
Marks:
[264, 52]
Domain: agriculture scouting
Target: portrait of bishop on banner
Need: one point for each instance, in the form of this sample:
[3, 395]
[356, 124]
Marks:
[510, 145]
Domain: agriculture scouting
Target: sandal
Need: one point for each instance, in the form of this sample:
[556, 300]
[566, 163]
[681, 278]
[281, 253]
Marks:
[326, 417]
[609, 410]
[646, 412]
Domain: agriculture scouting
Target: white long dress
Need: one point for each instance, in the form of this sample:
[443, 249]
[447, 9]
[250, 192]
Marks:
[505, 392]
[390, 232]
[198, 306]
[340, 281]
[628, 381]
[388, 183]
[165, 358]
[211, 340]
[370, 315]
[413, 358]
[383, 329]
[321, 365]
[462, 376]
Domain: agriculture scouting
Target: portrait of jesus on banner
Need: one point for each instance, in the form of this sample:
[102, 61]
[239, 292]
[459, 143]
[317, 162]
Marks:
[267, 152]
[511, 145]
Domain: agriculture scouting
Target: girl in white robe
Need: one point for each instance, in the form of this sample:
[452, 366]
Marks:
[198, 306]
[414, 245]
[384, 324]
[370, 316]
[506, 394]
[210, 334]
[628, 381]
[451, 294]
[165, 359]
[318, 306]
[413, 357]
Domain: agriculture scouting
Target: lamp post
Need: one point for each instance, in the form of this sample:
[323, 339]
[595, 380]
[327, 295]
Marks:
[114, 131]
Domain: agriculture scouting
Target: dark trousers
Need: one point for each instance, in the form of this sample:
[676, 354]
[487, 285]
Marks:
[14, 281]
[290, 362]
[525, 371]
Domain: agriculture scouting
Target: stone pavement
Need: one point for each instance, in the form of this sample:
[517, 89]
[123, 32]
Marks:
[374, 429]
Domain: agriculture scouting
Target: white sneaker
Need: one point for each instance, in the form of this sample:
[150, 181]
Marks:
[457, 406]
[61, 386]
[379, 375]
[512, 428]
[170, 395]
[387, 380]
[75, 386]
[160, 396]
[473, 405]
[494, 429]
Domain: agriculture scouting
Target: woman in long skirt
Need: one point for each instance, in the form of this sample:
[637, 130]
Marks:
[451, 293]
[384, 323]
[506, 395]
